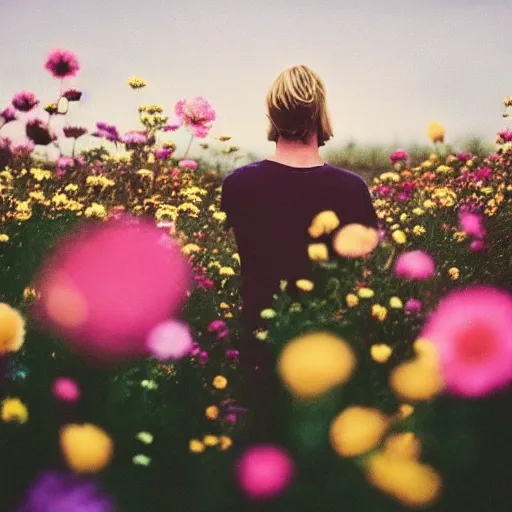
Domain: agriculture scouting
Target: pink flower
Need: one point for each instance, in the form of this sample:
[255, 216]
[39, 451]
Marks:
[7, 115]
[464, 156]
[134, 138]
[72, 94]
[264, 471]
[62, 63]
[472, 329]
[416, 265]
[65, 162]
[471, 224]
[483, 173]
[195, 115]
[39, 132]
[398, 155]
[217, 325]
[170, 340]
[477, 245]
[171, 127]
[188, 164]
[66, 389]
[413, 306]
[24, 101]
[107, 285]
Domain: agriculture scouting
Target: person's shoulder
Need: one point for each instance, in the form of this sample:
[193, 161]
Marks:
[242, 173]
[346, 177]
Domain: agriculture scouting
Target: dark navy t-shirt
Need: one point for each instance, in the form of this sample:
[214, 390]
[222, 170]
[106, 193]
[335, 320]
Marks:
[270, 206]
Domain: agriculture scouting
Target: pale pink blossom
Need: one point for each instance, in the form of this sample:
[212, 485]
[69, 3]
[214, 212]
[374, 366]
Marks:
[417, 265]
[170, 340]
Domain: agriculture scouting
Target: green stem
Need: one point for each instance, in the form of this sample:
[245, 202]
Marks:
[189, 144]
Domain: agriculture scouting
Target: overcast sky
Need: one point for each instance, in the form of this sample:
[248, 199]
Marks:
[389, 66]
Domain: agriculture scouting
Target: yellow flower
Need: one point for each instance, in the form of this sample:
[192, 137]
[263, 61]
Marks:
[145, 172]
[13, 409]
[435, 132]
[352, 300]
[4, 237]
[228, 315]
[404, 445]
[318, 252]
[381, 353]
[136, 83]
[225, 442]
[59, 199]
[459, 236]
[12, 329]
[365, 293]
[295, 307]
[141, 460]
[219, 216]
[224, 305]
[304, 284]
[268, 313]
[379, 312]
[355, 240]
[151, 158]
[220, 382]
[283, 283]
[226, 271]
[418, 230]
[209, 440]
[212, 412]
[399, 237]
[96, 210]
[196, 446]
[428, 204]
[29, 293]
[236, 257]
[392, 176]
[403, 217]
[323, 223]
[418, 211]
[86, 448]
[357, 430]
[145, 437]
[405, 410]
[454, 273]
[313, 363]
[444, 169]
[262, 335]
[395, 303]
[189, 248]
[413, 484]
[433, 157]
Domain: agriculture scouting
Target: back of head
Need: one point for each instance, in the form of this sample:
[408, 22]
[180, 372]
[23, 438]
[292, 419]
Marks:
[296, 106]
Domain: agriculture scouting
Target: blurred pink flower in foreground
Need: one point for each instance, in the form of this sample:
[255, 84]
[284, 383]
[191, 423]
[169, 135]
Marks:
[66, 389]
[472, 330]
[105, 287]
[471, 224]
[62, 63]
[170, 340]
[195, 115]
[416, 265]
[264, 471]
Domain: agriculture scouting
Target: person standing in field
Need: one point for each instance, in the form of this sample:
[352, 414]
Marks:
[270, 205]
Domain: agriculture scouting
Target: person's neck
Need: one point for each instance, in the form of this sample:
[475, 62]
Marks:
[297, 154]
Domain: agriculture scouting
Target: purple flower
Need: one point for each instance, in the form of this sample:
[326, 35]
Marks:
[24, 101]
[7, 115]
[413, 306]
[106, 131]
[38, 132]
[232, 354]
[73, 132]
[171, 127]
[134, 138]
[217, 325]
[54, 491]
[163, 153]
[398, 155]
[62, 63]
[72, 94]
[195, 115]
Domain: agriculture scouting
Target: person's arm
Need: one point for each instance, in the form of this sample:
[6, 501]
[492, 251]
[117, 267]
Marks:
[366, 212]
[224, 202]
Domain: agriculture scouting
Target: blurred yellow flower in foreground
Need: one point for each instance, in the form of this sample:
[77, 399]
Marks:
[365, 293]
[435, 132]
[381, 352]
[323, 223]
[410, 482]
[379, 312]
[86, 448]
[454, 273]
[4, 237]
[395, 303]
[313, 363]
[196, 446]
[210, 440]
[304, 284]
[13, 409]
[212, 412]
[404, 445]
[399, 237]
[419, 379]
[357, 430]
[355, 240]
[225, 442]
[318, 252]
[12, 329]
[220, 382]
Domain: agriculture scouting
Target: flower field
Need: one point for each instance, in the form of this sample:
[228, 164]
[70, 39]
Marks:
[120, 384]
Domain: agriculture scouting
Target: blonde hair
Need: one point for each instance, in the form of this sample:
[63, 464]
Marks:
[296, 106]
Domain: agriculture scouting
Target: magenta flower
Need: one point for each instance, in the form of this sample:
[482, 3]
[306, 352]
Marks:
[472, 330]
[74, 132]
[66, 389]
[39, 133]
[62, 63]
[171, 127]
[65, 162]
[413, 306]
[232, 354]
[505, 135]
[264, 471]
[398, 155]
[170, 340]
[72, 95]
[163, 153]
[464, 156]
[196, 115]
[417, 265]
[477, 245]
[24, 101]
[217, 325]
[105, 287]
[188, 164]
[58, 491]
[203, 357]
[23, 150]
[483, 173]
[134, 138]
[7, 115]
[471, 224]
[106, 131]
